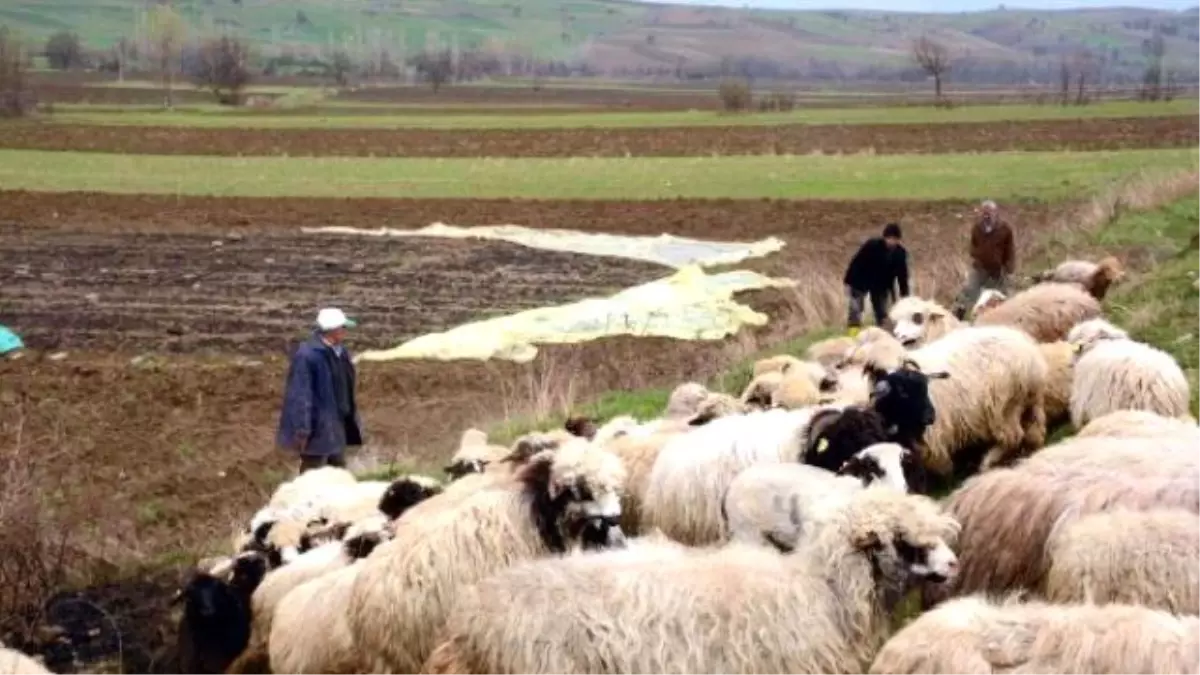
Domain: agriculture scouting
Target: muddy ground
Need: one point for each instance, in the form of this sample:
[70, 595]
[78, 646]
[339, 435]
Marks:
[154, 431]
[1080, 134]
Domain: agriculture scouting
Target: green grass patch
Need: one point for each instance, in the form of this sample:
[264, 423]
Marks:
[1009, 175]
[861, 115]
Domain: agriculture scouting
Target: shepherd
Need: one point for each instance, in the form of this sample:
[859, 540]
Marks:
[880, 265]
[320, 417]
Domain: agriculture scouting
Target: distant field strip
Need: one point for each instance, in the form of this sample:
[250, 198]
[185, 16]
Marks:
[866, 115]
[999, 175]
[797, 139]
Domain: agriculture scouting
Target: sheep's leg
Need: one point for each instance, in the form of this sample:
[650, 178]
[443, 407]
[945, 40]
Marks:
[1010, 436]
[1033, 421]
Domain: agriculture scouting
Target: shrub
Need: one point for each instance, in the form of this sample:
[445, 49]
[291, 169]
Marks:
[735, 95]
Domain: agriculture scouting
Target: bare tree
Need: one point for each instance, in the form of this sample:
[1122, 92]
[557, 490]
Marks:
[222, 67]
[1155, 49]
[1064, 80]
[16, 98]
[340, 67]
[436, 68]
[934, 58]
[1084, 65]
[166, 30]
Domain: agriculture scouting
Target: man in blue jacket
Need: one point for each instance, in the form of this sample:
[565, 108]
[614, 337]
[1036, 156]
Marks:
[880, 264]
[319, 417]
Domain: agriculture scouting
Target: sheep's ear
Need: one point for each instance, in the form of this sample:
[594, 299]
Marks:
[940, 375]
[910, 364]
[875, 373]
[787, 365]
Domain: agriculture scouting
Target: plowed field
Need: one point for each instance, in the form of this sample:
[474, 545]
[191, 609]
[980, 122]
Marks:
[157, 455]
[1081, 134]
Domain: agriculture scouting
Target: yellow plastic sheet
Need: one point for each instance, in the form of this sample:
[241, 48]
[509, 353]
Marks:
[688, 305]
[665, 249]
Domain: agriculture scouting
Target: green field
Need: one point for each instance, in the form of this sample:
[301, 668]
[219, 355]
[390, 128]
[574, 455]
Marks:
[882, 115]
[1001, 175]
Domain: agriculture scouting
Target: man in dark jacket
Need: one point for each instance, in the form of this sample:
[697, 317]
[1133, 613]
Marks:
[320, 417]
[993, 258]
[879, 266]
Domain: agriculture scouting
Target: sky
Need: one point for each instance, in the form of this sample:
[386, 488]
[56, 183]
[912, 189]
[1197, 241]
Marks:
[942, 5]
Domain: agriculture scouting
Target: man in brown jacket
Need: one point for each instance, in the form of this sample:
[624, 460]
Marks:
[993, 258]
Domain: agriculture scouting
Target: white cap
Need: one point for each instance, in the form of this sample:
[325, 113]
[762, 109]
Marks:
[331, 318]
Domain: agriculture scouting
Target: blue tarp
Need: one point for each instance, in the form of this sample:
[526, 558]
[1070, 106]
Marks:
[9, 340]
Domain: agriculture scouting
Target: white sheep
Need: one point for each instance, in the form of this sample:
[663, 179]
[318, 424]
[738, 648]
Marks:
[693, 471]
[917, 321]
[562, 500]
[1114, 372]
[783, 504]
[1096, 277]
[310, 631]
[973, 635]
[739, 609]
[1137, 423]
[1046, 311]
[1136, 557]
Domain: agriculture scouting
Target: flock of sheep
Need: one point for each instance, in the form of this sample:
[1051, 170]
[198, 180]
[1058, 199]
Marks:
[778, 531]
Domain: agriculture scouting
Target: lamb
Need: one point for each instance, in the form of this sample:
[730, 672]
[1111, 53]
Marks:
[972, 635]
[792, 387]
[1007, 516]
[1144, 558]
[1046, 311]
[17, 663]
[993, 398]
[1136, 423]
[564, 500]
[1114, 372]
[215, 625]
[738, 609]
[1095, 277]
[781, 505]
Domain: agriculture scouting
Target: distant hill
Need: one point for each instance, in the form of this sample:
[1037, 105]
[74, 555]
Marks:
[635, 38]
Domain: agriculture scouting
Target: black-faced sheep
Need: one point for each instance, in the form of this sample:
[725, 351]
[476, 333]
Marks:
[1114, 372]
[215, 626]
[782, 504]
[990, 410]
[563, 500]
[742, 608]
[1046, 311]
[1134, 557]
[972, 635]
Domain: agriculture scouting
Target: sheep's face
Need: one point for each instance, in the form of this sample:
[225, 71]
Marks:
[902, 398]
[906, 537]
[575, 494]
[916, 321]
[685, 400]
[405, 493]
[883, 463]
[583, 427]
